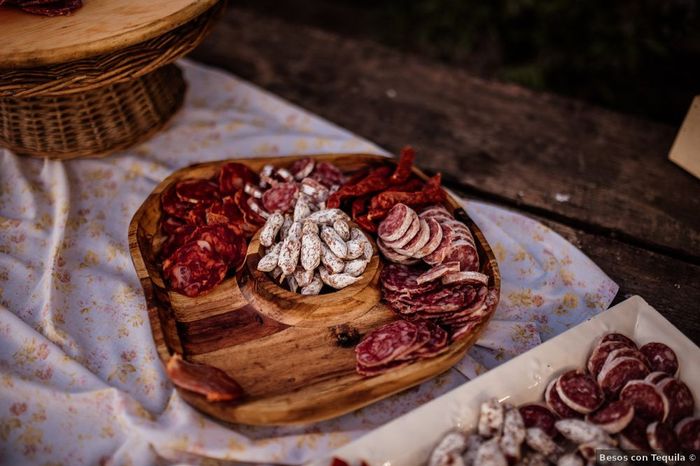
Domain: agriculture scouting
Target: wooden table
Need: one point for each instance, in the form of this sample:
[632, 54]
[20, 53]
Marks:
[600, 179]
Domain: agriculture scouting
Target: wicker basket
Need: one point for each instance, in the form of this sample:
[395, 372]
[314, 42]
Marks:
[99, 105]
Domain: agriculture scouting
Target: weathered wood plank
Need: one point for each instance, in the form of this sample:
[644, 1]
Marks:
[586, 166]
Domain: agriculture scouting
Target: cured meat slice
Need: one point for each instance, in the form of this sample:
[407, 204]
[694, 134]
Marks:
[418, 241]
[613, 417]
[680, 399]
[386, 344]
[436, 210]
[175, 240]
[649, 403]
[579, 391]
[403, 279]
[555, 403]
[234, 176]
[619, 338]
[465, 253]
[194, 268]
[661, 437]
[656, 377]
[169, 225]
[206, 380]
[407, 237]
[280, 198]
[441, 300]
[197, 191]
[249, 216]
[396, 223]
[634, 436]
[688, 433]
[302, 168]
[596, 360]
[540, 416]
[661, 358]
[422, 339]
[433, 241]
[437, 272]
[436, 345]
[378, 370]
[172, 205]
[438, 256]
[626, 352]
[618, 372]
[328, 174]
[223, 240]
[394, 256]
[465, 278]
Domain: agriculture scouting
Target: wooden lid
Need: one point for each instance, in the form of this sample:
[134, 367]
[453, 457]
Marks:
[99, 27]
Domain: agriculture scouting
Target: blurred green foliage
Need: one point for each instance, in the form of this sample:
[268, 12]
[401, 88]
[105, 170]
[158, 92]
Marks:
[636, 56]
[639, 56]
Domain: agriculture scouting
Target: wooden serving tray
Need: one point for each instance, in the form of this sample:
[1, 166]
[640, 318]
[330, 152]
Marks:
[278, 345]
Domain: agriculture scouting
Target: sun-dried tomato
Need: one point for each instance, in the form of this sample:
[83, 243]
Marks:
[403, 168]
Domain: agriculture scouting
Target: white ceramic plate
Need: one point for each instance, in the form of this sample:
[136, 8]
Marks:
[408, 440]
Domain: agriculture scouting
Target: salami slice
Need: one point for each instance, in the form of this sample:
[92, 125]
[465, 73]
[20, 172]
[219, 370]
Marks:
[613, 417]
[626, 352]
[328, 174]
[436, 345]
[422, 339]
[250, 217]
[197, 191]
[465, 253]
[407, 237]
[433, 241]
[394, 256]
[579, 392]
[302, 168]
[403, 279]
[656, 377]
[661, 358]
[680, 399]
[396, 223]
[172, 205]
[619, 338]
[440, 300]
[206, 380]
[438, 256]
[378, 370]
[437, 272]
[661, 437]
[688, 433]
[436, 210]
[597, 359]
[223, 240]
[169, 225]
[555, 403]
[649, 402]
[540, 416]
[418, 241]
[281, 197]
[234, 177]
[634, 436]
[465, 278]
[615, 374]
[176, 239]
[386, 344]
[194, 268]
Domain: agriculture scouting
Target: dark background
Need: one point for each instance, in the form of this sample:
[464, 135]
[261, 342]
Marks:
[636, 56]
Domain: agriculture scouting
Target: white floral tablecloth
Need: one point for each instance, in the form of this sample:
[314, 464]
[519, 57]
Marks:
[80, 382]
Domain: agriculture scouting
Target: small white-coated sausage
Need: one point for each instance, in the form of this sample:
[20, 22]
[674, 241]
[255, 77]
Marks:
[513, 434]
[579, 431]
[355, 249]
[342, 228]
[490, 418]
[288, 221]
[328, 216]
[270, 260]
[330, 260]
[291, 247]
[570, 459]
[490, 454]
[303, 277]
[451, 446]
[314, 287]
[355, 267]
[302, 209]
[336, 280]
[271, 228]
[538, 440]
[310, 251]
[334, 242]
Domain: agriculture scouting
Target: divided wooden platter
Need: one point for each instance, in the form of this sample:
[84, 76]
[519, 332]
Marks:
[276, 344]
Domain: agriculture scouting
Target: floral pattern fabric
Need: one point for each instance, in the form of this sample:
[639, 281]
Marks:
[80, 380]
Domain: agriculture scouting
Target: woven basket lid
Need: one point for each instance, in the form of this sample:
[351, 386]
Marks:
[99, 27]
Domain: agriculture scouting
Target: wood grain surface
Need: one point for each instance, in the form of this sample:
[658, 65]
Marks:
[278, 345]
[600, 178]
[100, 26]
